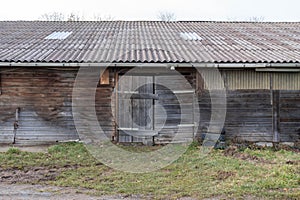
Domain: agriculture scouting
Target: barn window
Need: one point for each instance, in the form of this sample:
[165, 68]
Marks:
[104, 79]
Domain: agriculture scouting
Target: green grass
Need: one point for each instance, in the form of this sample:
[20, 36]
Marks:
[269, 176]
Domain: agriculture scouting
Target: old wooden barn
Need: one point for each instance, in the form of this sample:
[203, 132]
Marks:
[259, 64]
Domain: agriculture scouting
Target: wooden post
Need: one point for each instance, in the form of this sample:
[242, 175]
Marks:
[275, 110]
[193, 116]
[116, 82]
[0, 84]
[153, 110]
[276, 115]
[16, 125]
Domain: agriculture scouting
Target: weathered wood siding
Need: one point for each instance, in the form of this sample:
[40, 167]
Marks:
[104, 107]
[289, 115]
[254, 110]
[249, 115]
[44, 97]
[161, 116]
[135, 115]
[174, 112]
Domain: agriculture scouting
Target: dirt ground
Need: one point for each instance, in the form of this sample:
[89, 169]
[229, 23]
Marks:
[39, 192]
[10, 187]
[34, 149]
[233, 151]
[15, 183]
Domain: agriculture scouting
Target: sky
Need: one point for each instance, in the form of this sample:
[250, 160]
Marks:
[202, 10]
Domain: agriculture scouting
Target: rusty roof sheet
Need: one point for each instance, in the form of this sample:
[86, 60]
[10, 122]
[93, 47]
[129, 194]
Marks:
[150, 42]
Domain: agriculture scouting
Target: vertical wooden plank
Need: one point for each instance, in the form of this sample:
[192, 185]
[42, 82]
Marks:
[134, 106]
[289, 115]
[0, 83]
[122, 118]
[276, 115]
[141, 109]
[275, 109]
[153, 107]
[150, 103]
[135, 103]
[121, 110]
[200, 85]
[144, 108]
[126, 118]
[116, 89]
[131, 104]
[128, 103]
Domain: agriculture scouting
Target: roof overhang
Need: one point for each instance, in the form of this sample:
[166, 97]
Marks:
[202, 65]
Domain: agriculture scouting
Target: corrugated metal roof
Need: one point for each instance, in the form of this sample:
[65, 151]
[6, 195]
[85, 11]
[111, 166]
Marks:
[150, 41]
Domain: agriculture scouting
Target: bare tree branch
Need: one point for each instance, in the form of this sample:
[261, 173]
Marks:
[74, 17]
[57, 16]
[54, 16]
[166, 16]
[98, 17]
[256, 19]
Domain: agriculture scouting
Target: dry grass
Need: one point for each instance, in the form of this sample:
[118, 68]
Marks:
[230, 173]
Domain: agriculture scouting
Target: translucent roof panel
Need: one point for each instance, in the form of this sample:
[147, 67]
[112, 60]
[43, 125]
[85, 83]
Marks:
[58, 35]
[190, 36]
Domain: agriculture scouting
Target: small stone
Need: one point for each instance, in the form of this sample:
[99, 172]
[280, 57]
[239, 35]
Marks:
[290, 144]
[264, 144]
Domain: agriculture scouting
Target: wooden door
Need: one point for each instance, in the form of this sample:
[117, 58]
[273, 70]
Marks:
[136, 109]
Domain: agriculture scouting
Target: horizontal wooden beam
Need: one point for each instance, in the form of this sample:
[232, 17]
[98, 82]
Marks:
[139, 133]
[138, 96]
